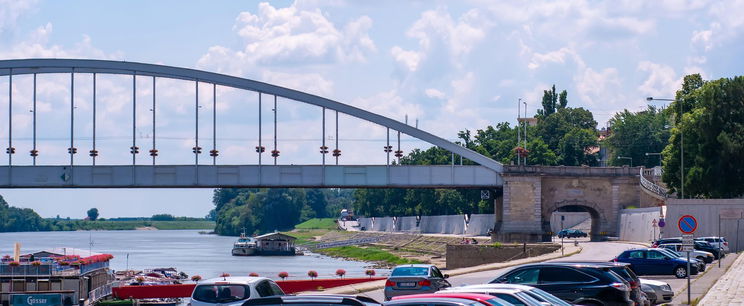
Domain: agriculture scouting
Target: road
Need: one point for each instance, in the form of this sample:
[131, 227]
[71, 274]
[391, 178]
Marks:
[591, 251]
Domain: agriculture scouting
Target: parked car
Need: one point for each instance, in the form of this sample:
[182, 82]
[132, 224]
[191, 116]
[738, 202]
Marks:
[541, 296]
[716, 242]
[656, 262]
[706, 257]
[658, 292]
[571, 233]
[623, 270]
[232, 291]
[314, 299]
[700, 264]
[576, 283]
[699, 245]
[413, 279]
[450, 299]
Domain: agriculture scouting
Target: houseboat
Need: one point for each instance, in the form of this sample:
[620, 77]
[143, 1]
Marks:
[273, 244]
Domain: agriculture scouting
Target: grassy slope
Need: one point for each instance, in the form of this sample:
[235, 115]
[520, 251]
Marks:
[316, 223]
[367, 254]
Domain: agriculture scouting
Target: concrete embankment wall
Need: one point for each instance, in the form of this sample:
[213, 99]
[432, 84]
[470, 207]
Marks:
[707, 212]
[460, 256]
[637, 224]
[478, 224]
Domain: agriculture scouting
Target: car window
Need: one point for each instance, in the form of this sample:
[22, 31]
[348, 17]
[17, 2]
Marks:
[541, 295]
[526, 276]
[509, 298]
[656, 255]
[276, 290]
[562, 275]
[410, 271]
[264, 289]
[221, 293]
[436, 273]
[637, 254]
[622, 271]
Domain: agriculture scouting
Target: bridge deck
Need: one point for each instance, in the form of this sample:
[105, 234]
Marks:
[209, 176]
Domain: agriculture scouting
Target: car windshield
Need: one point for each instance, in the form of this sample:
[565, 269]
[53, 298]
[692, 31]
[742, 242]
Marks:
[670, 253]
[543, 296]
[410, 271]
[221, 293]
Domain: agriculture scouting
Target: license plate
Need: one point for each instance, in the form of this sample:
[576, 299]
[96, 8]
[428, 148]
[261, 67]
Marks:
[407, 284]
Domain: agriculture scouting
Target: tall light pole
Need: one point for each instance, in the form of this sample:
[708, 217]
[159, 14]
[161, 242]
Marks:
[681, 146]
[519, 138]
[658, 154]
[628, 158]
[525, 132]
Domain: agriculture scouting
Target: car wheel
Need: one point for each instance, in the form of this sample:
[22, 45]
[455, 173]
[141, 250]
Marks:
[680, 272]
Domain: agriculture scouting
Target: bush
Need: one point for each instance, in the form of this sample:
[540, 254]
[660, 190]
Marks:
[196, 278]
[341, 272]
[370, 273]
[312, 273]
[253, 274]
[283, 275]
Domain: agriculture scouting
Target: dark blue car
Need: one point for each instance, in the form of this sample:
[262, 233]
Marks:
[656, 262]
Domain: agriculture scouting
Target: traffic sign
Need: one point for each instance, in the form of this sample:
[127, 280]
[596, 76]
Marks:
[687, 224]
[653, 223]
[688, 243]
[662, 223]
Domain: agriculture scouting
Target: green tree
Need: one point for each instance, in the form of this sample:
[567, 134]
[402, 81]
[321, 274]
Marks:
[571, 134]
[712, 122]
[92, 214]
[635, 134]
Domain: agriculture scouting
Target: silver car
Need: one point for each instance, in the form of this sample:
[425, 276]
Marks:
[658, 292]
[414, 279]
[232, 291]
[512, 293]
[716, 242]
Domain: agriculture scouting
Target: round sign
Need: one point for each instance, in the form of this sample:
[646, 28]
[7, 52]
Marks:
[687, 224]
[662, 223]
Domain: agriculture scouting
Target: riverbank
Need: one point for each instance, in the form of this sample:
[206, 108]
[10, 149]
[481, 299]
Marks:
[107, 225]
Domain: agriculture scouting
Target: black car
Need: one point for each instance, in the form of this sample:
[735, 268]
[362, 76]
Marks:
[623, 270]
[571, 233]
[576, 283]
[699, 245]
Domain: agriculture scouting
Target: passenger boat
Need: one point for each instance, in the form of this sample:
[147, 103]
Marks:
[245, 246]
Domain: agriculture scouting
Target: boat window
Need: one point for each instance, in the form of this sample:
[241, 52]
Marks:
[221, 293]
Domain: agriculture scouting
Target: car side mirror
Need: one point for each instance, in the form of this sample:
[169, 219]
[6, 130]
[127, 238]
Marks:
[446, 276]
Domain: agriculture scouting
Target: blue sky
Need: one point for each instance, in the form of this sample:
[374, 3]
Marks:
[451, 65]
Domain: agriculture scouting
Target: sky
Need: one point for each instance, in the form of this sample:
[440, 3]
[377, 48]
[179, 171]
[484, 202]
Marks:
[447, 66]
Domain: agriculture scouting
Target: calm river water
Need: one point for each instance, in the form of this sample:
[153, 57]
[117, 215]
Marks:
[185, 250]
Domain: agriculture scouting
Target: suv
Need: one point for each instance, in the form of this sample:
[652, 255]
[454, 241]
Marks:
[656, 262]
[576, 283]
[703, 256]
[232, 291]
[314, 299]
[699, 245]
[716, 242]
[571, 233]
[623, 270]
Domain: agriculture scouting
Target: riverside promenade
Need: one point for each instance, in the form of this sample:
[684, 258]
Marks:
[729, 289]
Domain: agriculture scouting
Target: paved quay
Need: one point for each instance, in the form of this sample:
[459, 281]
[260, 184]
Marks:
[727, 289]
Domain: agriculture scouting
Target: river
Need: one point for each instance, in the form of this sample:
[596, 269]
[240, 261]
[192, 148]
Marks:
[186, 250]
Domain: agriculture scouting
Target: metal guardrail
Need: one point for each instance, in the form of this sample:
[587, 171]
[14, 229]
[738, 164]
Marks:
[98, 293]
[343, 243]
[653, 189]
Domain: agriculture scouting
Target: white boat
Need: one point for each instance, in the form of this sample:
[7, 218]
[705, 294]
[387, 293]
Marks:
[245, 246]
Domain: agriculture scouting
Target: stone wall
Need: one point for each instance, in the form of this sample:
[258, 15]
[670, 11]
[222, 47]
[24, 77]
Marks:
[460, 256]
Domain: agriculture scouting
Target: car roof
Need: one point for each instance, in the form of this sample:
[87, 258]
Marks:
[433, 300]
[566, 264]
[596, 263]
[499, 286]
[478, 290]
[414, 265]
[464, 295]
[242, 280]
[313, 299]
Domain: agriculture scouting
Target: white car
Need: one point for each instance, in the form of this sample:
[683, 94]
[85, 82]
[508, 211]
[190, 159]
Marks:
[706, 257]
[716, 242]
[232, 291]
[658, 292]
[512, 293]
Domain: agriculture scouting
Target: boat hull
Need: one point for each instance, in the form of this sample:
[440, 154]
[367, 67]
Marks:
[244, 251]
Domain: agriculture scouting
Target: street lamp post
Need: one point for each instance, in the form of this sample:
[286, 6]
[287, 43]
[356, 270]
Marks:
[658, 154]
[628, 158]
[681, 146]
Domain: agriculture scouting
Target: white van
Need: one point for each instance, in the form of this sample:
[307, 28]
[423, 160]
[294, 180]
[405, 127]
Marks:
[232, 291]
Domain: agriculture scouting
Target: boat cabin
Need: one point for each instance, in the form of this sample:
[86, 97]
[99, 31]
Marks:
[275, 244]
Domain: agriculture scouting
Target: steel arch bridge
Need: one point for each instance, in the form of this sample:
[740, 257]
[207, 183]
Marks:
[70, 175]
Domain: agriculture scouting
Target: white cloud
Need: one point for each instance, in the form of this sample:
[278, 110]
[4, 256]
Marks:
[599, 88]
[558, 56]
[408, 59]
[309, 82]
[662, 81]
[10, 10]
[459, 37]
[434, 93]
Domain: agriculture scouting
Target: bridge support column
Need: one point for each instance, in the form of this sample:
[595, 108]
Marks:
[522, 210]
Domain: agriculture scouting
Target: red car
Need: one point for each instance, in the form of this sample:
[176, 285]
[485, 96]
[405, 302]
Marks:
[484, 299]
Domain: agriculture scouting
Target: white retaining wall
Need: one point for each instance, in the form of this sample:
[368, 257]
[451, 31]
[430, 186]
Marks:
[636, 224]
[479, 224]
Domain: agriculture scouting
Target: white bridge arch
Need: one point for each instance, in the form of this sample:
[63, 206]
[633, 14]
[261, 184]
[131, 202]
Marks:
[128, 176]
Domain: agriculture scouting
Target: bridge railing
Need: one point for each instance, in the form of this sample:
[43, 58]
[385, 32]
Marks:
[573, 170]
[651, 188]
